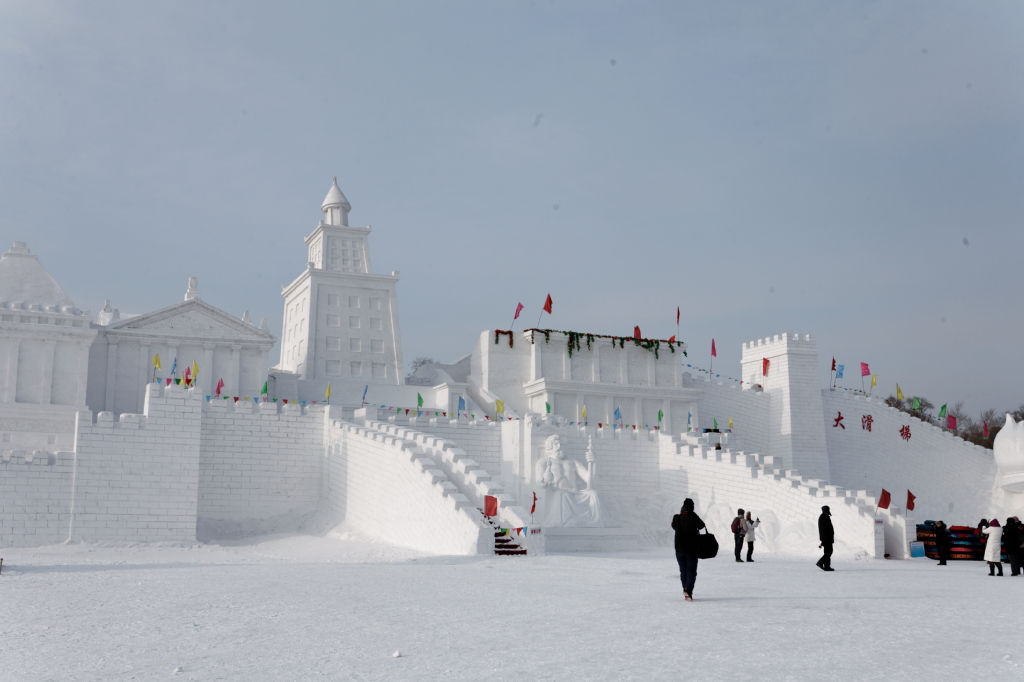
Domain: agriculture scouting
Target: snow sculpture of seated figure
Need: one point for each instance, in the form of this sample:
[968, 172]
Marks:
[1008, 449]
[569, 497]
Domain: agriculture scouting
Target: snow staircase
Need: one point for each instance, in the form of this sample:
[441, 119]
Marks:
[504, 545]
[465, 476]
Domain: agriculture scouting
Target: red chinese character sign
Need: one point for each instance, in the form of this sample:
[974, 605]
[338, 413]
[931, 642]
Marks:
[839, 422]
[866, 421]
[905, 432]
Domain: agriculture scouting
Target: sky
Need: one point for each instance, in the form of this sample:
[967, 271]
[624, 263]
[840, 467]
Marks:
[849, 170]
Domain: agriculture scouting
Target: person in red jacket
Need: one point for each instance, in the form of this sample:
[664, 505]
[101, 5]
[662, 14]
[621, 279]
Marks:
[687, 526]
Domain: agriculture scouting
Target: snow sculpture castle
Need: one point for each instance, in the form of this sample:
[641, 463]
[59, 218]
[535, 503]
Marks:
[91, 448]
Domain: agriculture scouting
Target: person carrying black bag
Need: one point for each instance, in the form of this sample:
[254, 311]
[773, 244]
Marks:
[687, 526]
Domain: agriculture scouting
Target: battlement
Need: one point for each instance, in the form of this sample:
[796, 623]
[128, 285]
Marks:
[781, 342]
[33, 457]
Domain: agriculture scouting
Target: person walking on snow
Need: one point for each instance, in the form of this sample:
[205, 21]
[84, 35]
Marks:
[749, 525]
[994, 547]
[942, 542]
[1011, 538]
[827, 536]
[687, 526]
[737, 533]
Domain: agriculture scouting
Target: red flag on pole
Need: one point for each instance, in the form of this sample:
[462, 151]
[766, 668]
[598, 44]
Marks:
[677, 314]
[864, 371]
[220, 385]
[490, 505]
[833, 363]
[883, 501]
[764, 366]
[636, 332]
[910, 501]
[519, 309]
[672, 339]
[714, 353]
[547, 305]
[984, 433]
[951, 422]
[533, 507]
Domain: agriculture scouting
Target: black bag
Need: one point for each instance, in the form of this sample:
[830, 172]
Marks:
[707, 545]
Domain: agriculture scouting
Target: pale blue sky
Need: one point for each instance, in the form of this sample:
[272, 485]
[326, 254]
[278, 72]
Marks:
[852, 170]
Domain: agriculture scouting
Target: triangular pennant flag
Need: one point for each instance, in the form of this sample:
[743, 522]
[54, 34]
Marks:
[715, 423]
[419, 400]
[156, 361]
[714, 352]
[618, 415]
[833, 363]
[661, 415]
[899, 393]
[263, 391]
[730, 423]
[220, 385]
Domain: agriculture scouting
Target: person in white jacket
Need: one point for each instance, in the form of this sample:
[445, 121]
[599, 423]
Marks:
[994, 547]
[749, 524]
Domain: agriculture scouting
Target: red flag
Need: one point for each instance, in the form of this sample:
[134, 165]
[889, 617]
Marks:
[672, 339]
[910, 501]
[951, 422]
[833, 363]
[533, 508]
[636, 332]
[519, 309]
[220, 385]
[714, 353]
[864, 371]
[883, 501]
[677, 314]
[490, 505]
[984, 433]
[764, 366]
[547, 305]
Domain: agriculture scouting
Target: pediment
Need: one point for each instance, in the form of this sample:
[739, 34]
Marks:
[193, 319]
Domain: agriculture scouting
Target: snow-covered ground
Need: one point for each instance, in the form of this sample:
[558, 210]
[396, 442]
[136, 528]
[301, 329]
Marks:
[306, 607]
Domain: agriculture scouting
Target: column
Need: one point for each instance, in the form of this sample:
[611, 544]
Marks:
[46, 373]
[234, 382]
[108, 401]
[146, 363]
[209, 384]
[9, 388]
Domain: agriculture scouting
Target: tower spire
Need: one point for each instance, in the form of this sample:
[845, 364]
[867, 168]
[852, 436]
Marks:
[335, 206]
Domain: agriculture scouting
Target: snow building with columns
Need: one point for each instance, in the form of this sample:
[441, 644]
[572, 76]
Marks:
[609, 432]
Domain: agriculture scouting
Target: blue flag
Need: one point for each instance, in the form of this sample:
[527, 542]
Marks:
[174, 365]
[618, 415]
[365, 389]
[462, 404]
[839, 371]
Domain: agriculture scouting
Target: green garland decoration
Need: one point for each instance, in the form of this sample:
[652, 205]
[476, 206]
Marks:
[574, 341]
[500, 332]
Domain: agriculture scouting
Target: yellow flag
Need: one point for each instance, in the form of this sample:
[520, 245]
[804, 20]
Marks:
[583, 412]
[327, 396]
[730, 422]
[874, 380]
[899, 393]
[499, 406]
[195, 370]
[156, 361]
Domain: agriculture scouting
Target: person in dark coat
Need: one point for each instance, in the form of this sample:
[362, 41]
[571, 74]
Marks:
[827, 537]
[687, 526]
[943, 541]
[1011, 542]
[737, 533]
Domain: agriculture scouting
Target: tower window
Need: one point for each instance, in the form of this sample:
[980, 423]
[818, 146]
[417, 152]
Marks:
[353, 322]
[375, 323]
[376, 346]
[355, 345]
[356, 368]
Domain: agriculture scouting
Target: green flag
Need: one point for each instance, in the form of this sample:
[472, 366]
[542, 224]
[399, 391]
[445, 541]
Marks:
[419, 400]
[942, 411]
[263, 391]
[547, 407]
[716, 422]
[661, 415]
[916, 405]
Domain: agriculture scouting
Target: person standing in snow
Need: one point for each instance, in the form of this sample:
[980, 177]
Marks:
[994, 547]
[749, 525]
[942, 542]
[737, 533]
[1011, 538]
[687, 526]
[827, 536]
